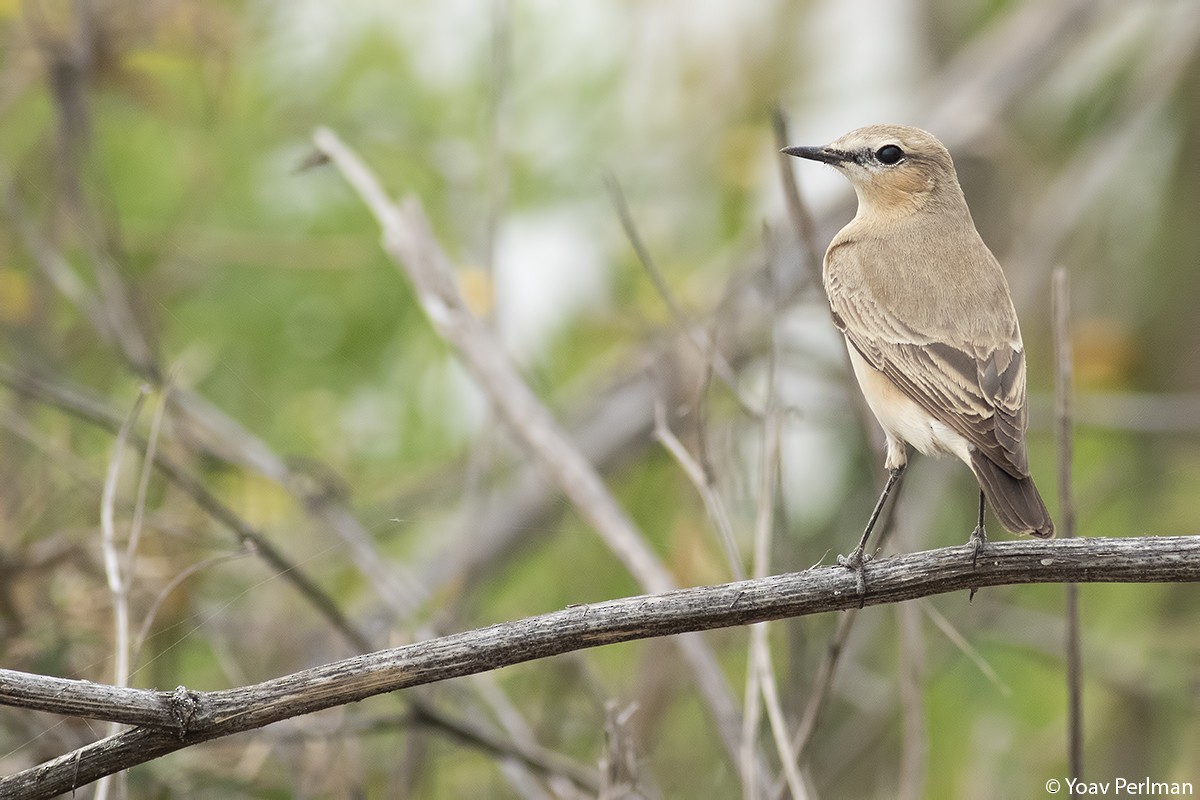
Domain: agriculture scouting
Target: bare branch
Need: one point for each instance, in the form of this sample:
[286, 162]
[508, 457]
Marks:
[175, 720]
[119, 575]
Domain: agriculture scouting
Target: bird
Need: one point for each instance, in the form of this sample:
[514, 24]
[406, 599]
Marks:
[929, 324]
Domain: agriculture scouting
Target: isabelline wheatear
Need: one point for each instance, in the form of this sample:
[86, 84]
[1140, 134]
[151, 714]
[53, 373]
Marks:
[929, 322]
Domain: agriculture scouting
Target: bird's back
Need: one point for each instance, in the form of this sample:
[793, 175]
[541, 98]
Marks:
[928, 306]
[933, 275]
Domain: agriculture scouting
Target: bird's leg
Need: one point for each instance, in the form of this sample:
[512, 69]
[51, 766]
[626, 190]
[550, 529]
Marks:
[859, 556]
[977, 541]
[978, 536]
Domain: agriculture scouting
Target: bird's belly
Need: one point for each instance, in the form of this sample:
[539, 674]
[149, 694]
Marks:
[902, 419]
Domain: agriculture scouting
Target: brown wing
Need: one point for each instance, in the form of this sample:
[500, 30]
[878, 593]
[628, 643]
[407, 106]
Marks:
[978, 390]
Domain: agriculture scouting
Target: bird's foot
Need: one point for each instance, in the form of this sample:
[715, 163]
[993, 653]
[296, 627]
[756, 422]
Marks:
[977, 542]
[856, 562]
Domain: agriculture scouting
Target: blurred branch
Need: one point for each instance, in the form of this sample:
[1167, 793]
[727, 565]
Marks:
[760, 668]
[700, 338]
[87, 408]
[1098, 161]
[119, 575]
[532, 755]
[714, 506]
[1060, 300]
[976, 87]
[798, 212]
[411, 244]
[171, 721]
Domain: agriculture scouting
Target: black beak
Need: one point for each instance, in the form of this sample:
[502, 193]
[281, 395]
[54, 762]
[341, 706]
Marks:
[825, 155]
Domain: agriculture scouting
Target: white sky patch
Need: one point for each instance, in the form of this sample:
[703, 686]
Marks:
[548, 270]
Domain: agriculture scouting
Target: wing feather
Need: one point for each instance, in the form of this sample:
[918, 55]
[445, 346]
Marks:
[976, 388]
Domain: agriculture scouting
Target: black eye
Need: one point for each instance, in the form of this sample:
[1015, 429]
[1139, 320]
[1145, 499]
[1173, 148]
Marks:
[889, 154]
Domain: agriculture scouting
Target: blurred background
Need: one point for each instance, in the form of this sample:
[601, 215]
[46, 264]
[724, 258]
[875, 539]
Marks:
[168, 264]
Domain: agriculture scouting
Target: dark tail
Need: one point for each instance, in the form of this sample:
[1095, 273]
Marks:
[1016, 502]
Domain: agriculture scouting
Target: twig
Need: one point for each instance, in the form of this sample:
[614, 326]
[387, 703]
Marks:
[410, 243]
[696, 474]
[390, 580]
[793, 776]
[524, 750]
[172, 585]
[1061, 298]
[823, 681]
[147, 469]
[761, 681]
[619, 768]
[821, 685]
[541, 759]
[703, 341]
[113, 569]
[117, 575]
[966, 648]
[112, 317]
[621, 205]
[174, 720]
[55, 267]
[517, 728]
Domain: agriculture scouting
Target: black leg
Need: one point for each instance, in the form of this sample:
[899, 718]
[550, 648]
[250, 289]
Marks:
[858, 557]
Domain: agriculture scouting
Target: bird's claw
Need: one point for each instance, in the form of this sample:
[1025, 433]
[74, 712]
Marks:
[855, 562]
[977, 542]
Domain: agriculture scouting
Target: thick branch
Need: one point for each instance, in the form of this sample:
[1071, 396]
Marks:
[174, 720]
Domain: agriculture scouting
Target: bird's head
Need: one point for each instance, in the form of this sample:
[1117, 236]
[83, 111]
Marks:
[893, 168]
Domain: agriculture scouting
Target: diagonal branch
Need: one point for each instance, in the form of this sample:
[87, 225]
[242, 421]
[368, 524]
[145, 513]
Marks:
[411, 244]
[174, 720]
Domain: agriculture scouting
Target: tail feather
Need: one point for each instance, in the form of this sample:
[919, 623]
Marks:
[1015, 500]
